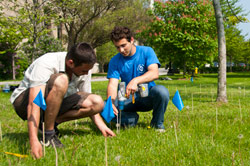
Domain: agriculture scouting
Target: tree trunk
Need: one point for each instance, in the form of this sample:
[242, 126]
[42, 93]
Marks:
[101, 67]
[70, 39]
[34, 44]
[222, 75]
[35, 31]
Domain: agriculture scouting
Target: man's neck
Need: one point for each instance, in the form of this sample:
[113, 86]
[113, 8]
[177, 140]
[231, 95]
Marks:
[68, 72]
[133, 50]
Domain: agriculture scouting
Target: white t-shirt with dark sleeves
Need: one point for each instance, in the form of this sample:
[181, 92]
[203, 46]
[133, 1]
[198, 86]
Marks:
[39, 72]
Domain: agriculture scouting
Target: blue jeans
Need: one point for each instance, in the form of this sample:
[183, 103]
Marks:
[157, 100]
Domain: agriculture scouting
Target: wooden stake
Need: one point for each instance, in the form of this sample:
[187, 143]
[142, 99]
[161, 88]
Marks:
[175, 134]
[233, 159]
[43, 139]
[200, 88]
[240, 91]
[55, 152]
[200, 92]
[244, 91]
[192, 102]
[212, 96]
[186, 89]
[106, 152]
[216, 119]
[1, 137]
[120, 123]
[117, 123]
[76, 124]
[240, 110]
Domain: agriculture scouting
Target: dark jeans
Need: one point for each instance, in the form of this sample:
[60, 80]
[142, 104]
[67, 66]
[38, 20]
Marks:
[157, 100]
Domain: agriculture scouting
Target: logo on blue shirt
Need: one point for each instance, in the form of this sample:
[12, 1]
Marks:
[140, 68]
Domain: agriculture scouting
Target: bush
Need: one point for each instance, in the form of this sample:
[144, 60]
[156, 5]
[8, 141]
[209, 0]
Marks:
[5, 65]
[237, 68]
[209, 70]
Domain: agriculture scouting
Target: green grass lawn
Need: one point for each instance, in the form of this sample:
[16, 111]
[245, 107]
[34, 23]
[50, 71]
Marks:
[203, 133]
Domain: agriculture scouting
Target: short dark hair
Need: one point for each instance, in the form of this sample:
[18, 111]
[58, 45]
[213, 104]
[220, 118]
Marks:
[120, 32]
[82, 53]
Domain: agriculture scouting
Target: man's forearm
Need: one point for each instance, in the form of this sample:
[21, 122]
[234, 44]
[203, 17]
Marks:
[97, 120]
[33, 117]
[112, 92]
[147, 77]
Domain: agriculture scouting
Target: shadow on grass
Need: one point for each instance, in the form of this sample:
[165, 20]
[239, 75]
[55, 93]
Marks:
[78, 132]
[20, 140]
[84, 128]
[112, 126]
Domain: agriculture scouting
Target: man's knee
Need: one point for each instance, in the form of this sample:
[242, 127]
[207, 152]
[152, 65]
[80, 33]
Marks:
[98, 103]
[60, 82]
[95, 102]
[161, 91]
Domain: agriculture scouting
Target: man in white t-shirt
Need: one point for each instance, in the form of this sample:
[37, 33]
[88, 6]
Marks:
[65, 80]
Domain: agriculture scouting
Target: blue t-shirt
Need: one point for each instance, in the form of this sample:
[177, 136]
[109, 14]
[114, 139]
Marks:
[130, 67]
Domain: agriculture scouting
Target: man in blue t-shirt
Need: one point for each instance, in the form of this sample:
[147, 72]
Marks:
[136, 65]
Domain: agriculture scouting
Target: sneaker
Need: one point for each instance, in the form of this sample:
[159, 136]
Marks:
[40, 130]
[159, 126]
[49, 141]
[160, 130]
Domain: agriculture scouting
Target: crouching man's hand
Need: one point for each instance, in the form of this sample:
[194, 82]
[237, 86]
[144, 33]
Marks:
[106, 132]
[36, 149]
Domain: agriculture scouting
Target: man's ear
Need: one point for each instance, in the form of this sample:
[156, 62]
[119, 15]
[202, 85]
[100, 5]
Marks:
[132, 40]
[70, 63]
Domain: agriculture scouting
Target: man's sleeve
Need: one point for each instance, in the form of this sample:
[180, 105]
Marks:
[39, 74]
[151, 57]
[113, 69]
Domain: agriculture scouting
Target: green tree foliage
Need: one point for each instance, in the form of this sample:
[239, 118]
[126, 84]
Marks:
[246, 53]
[104, 54]
[33, 16]
[235, 44]
[46, 44]
[130, 13]
[243, 55]
[233, 15]
[182, 32]
[10, 37]
[92, 21]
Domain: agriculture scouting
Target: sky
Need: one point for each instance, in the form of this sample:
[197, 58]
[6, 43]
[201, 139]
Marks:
[245, 27]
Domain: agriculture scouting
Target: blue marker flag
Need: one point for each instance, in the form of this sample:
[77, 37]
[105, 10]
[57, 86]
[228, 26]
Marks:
[192, 79]
[178, 101]
[39, 100]
[108, 113]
